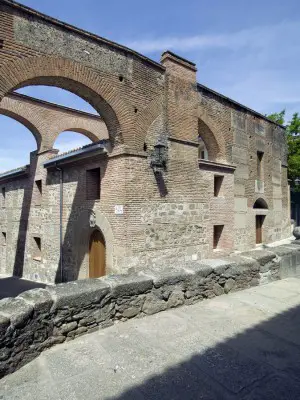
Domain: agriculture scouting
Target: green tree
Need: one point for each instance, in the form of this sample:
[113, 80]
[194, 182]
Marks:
[278, 117]
[293, 142]
[294, 125]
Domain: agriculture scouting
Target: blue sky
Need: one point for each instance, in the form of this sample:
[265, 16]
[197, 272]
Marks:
[249, 51]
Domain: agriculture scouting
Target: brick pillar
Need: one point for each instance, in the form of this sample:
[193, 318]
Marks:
[180, 97]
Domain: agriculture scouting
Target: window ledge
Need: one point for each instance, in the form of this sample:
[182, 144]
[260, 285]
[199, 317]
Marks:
[37, 258]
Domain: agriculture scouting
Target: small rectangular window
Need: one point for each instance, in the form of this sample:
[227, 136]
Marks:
[4, 238]
[260, 165]
[218, 229]
[1, 43]
[93, 184]
[218, 180]
[3, 196]
[37, 248]
[38, 192]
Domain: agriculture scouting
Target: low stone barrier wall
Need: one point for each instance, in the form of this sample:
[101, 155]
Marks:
[39, 318]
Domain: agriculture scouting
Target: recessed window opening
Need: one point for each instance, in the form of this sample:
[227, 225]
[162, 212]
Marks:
[260, 165]
[260, 203]
[93, 181]
[38, 186]
[3, 195]
[218, 229]
[121, 78]
[218, 181]
[4, 238]
[202, 150]
[1, 43]
[37, 248]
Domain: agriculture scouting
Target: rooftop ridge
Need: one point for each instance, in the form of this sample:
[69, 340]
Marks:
[11, 171]
[239, 104]
[83, 32]
[102, 141]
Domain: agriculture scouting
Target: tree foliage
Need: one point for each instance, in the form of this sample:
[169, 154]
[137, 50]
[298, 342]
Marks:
[293, 142]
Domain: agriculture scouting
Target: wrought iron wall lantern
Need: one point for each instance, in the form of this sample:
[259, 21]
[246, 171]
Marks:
[159, 157]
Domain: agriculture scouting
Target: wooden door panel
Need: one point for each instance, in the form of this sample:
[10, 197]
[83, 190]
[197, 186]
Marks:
[259, 223]
[97, 255]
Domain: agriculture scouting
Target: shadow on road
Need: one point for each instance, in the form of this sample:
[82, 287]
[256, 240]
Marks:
[261, 363]
[13, 286]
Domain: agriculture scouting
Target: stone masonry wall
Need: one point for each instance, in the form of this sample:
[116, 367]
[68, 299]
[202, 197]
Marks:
[245, 135]
[40, 318]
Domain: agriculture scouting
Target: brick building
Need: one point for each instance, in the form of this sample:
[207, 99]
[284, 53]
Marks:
[176, 171]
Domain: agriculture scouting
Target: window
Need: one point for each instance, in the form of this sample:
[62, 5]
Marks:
[3, 196]
[93, 184]
[4, 238]
[218, 229]
[218, 180]
[38, 192]
[37, 248]
[260, 165]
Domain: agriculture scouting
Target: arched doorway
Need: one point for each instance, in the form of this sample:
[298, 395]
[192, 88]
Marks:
[260, 206]
[97, 255]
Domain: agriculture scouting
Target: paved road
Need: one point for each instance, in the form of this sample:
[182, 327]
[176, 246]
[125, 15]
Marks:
[242, 346]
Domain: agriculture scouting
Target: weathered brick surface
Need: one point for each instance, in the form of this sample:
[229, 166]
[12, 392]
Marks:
[46, 121]
[168, 217]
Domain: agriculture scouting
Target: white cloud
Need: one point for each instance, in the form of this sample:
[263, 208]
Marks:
[257, 67]
[256, 37]
[67, 144]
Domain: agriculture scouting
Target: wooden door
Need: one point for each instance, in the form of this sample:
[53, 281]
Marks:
[97, 255]
[259, 223]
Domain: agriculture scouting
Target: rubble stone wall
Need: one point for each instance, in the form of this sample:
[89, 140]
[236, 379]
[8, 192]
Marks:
[40, 318]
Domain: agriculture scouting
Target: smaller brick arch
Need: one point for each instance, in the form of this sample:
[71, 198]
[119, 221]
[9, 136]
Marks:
[212, 138]
[47, 120]
[94, 130]
[24, 121]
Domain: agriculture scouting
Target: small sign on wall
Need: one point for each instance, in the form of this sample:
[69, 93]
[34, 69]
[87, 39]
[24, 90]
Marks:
[119, 209]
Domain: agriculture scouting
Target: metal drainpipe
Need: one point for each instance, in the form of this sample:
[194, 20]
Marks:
[60, 219]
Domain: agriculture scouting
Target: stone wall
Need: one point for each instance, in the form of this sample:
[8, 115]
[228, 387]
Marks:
[246, 133]
[40, 318]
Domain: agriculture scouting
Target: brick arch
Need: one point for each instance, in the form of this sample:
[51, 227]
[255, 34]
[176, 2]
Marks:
[46, 123]
[24, 121]
[94, 133]
[89, 134]
[146, 120]
[78, 79]
[213, 139]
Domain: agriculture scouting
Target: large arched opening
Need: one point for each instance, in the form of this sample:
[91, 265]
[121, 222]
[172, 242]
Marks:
[19, 138]
[82, 82]
[77, 79]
